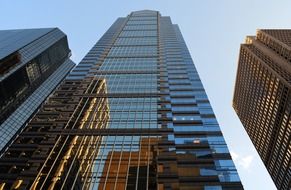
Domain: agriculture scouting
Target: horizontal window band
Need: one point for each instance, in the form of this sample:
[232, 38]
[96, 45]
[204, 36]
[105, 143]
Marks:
[127, 72]
[101, 132]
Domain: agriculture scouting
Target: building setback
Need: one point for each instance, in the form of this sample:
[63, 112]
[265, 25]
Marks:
[132, 115]
[32, 63]
[262, 99]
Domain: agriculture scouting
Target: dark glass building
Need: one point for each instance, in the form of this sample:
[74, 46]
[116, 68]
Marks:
[32, 63]
[132, 115]
[262, 99]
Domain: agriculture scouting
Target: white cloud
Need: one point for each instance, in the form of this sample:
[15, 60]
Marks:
[243, 161]
[234, 156]
[246, 161]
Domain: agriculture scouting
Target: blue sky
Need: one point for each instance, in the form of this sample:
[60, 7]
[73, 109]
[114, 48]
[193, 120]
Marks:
[212, 29]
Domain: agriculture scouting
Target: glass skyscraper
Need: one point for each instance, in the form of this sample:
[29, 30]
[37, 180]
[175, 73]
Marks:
[32, 63]
[133, 114]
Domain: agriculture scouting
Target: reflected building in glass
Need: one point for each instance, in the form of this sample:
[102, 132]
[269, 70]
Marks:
[133, 114]
[32, 63]
[262, 99]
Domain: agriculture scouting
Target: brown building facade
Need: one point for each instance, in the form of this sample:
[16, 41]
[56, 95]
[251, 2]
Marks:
[262, 99]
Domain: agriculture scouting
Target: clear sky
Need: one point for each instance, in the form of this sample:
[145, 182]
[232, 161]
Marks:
[212, 29]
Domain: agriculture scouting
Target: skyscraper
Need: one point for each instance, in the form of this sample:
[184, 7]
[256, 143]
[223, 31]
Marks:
[132, 115]
[262, 99]
[32, 63]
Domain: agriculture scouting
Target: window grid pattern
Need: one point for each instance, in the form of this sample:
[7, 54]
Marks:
[144, 51]
[141, 41]
[21, 115]
[280, 45]
[121, 64]
[262, 101]
[19, 83]
[140, 27]
[13, 40]
[191, 116]
[123, 161]
[138, 33]
[35, 48]
[152, 18]
[120, 126]
[141, 22]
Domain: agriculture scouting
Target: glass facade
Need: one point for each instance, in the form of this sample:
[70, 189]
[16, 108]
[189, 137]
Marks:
[13, 40]
[132, 115]
[32, 64]
[25, 110]
[35, 58]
